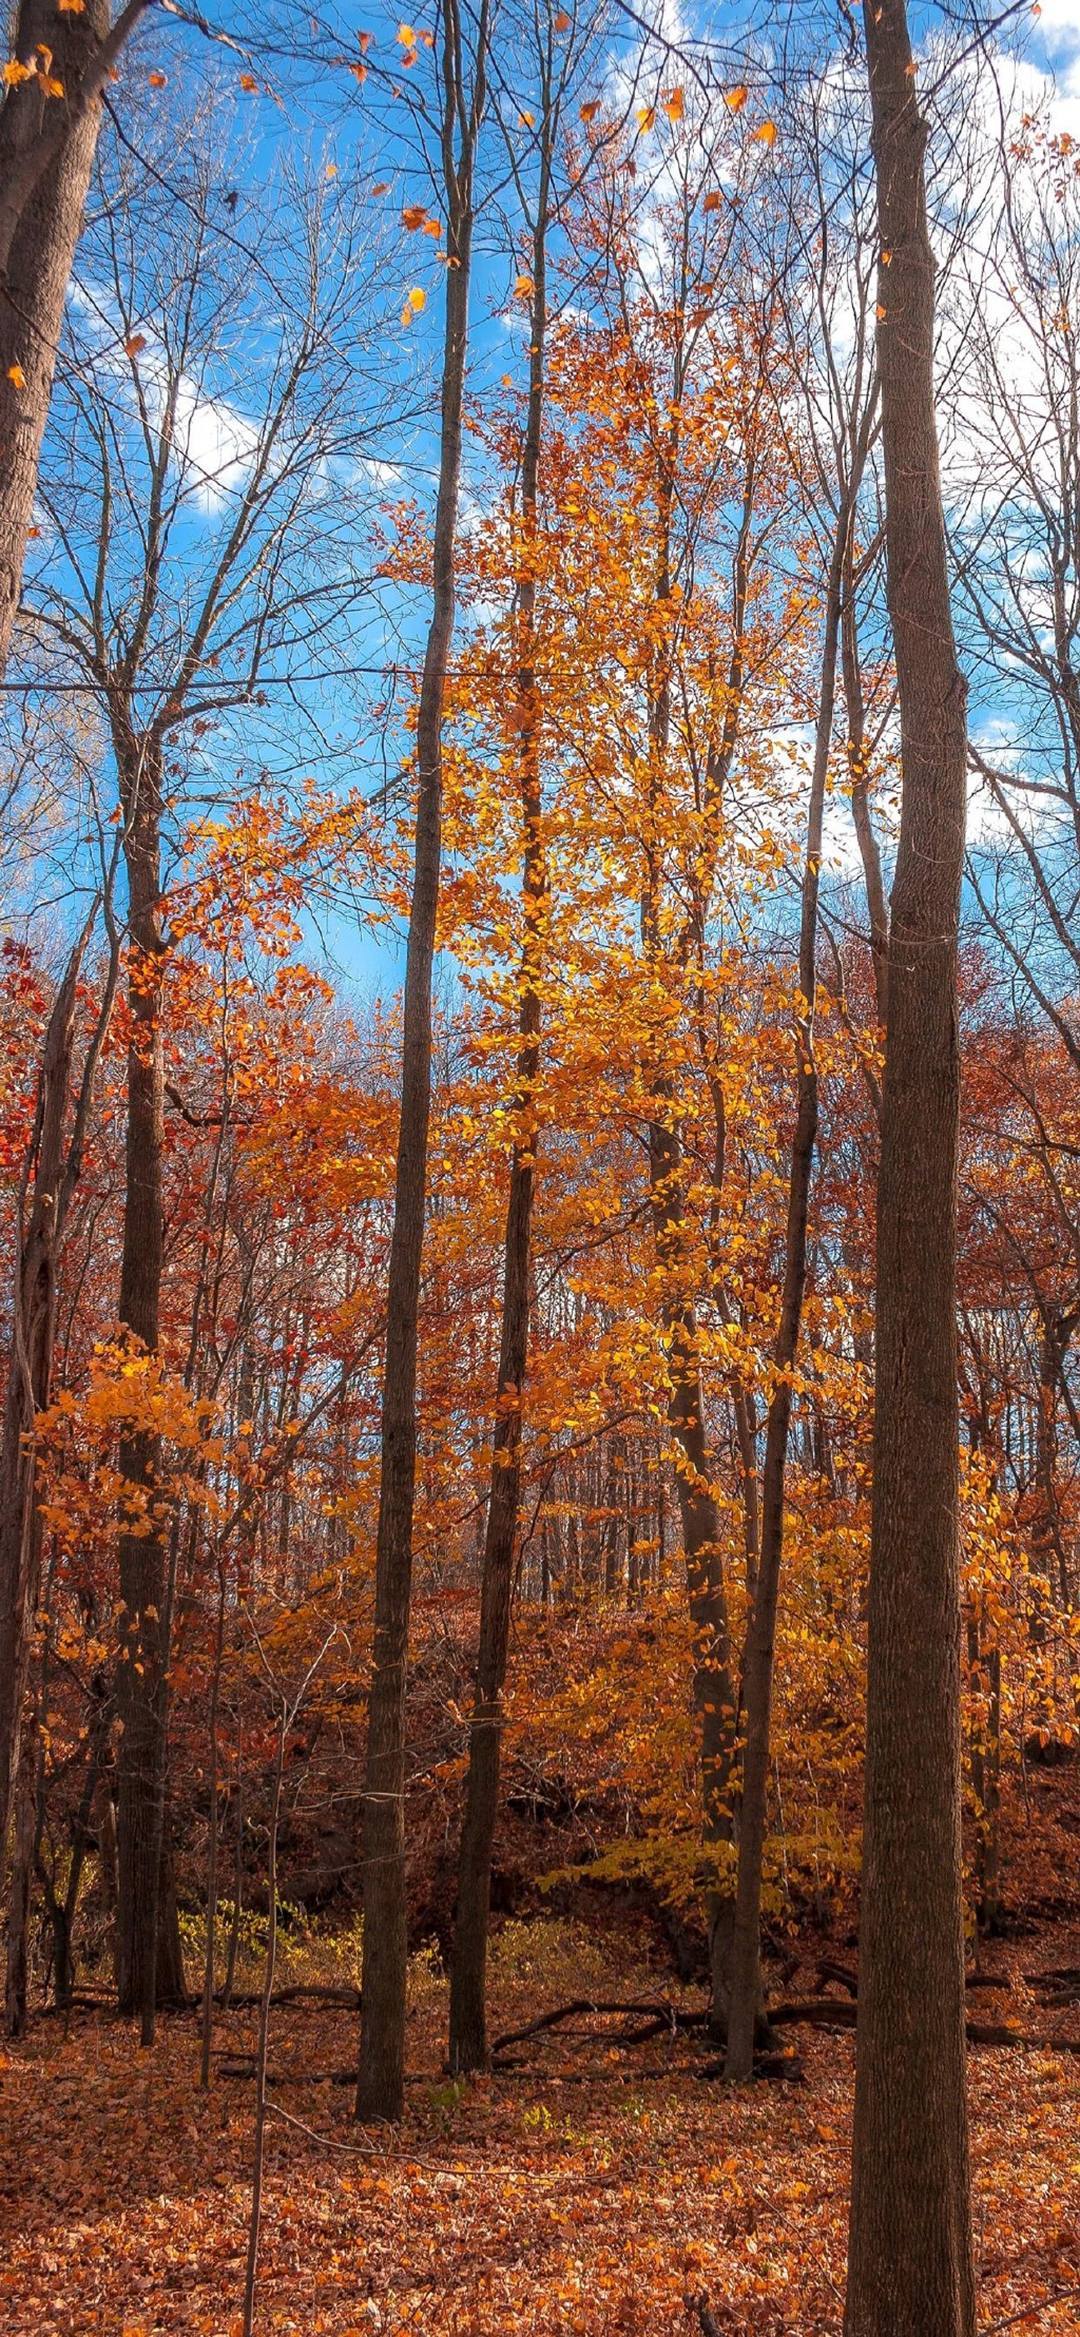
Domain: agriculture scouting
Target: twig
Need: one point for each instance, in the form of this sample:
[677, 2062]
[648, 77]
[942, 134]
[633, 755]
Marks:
[1031, 2312]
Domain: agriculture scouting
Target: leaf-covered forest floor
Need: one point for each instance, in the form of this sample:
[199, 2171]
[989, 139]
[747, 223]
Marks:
[591, 2188]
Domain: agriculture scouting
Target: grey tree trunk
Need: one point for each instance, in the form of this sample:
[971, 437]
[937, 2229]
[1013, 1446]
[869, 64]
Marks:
[910, 2252]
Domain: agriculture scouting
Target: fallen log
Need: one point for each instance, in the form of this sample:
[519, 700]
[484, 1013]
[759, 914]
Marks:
[834, 2012]
[845, 1977]
[297, 1992]
[841, 1973]
[660, 2017]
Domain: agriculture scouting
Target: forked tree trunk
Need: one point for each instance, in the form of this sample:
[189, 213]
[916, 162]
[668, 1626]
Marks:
[910, 2254]
[380, 2090]
[47, 146]
[468, 1969]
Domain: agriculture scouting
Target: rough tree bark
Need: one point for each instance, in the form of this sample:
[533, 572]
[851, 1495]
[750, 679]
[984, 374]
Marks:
[29, 1374]
[380, 2090]
[47, 146]
[910, 2255]
[468, 1969]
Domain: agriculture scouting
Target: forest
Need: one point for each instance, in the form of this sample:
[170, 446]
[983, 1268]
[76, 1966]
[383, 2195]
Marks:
[540, 1169]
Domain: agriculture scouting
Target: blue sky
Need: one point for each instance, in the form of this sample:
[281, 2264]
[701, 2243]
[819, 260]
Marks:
[348, 135]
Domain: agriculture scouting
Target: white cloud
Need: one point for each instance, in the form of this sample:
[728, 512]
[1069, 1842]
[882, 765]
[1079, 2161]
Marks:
[215, 445]
[1059, 23]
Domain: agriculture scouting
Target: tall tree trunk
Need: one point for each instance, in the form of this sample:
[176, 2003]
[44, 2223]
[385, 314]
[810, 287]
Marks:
[714, 1690]
[858, 754]
[758, 1665]
[29, 1373]
[47, 146]
[380, 2090]
[468, 1969]
[27, 1807]
[910, 2254]
[141, 1549]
